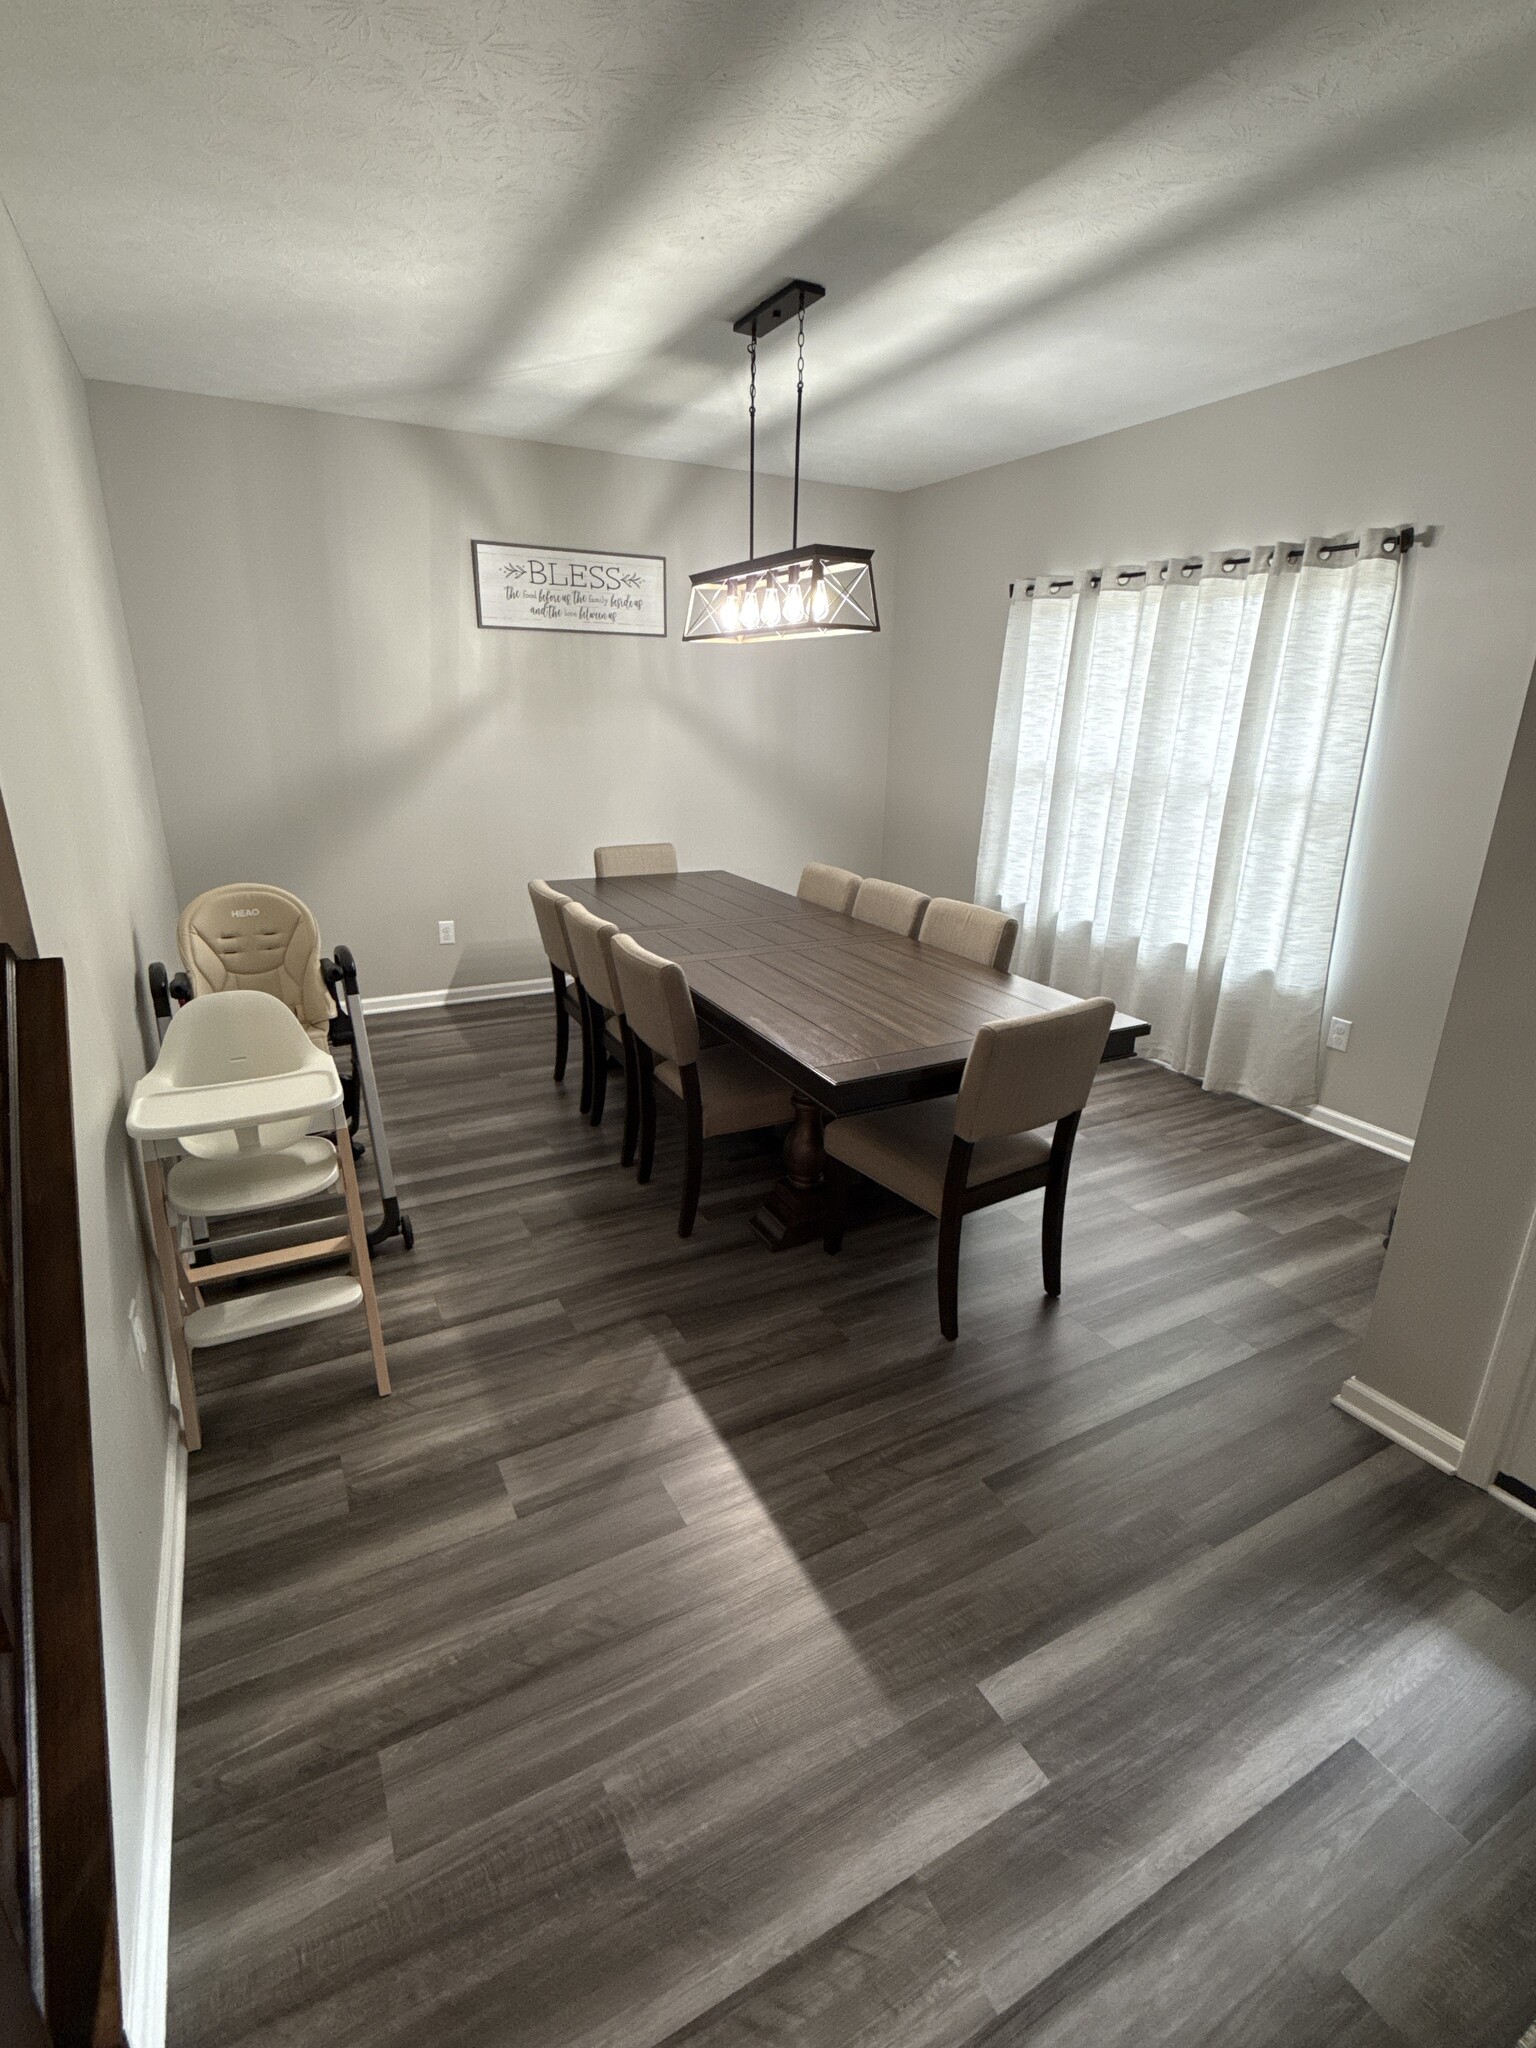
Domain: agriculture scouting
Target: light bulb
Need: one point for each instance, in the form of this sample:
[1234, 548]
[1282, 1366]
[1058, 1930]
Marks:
[820, 603]
[730, 612]
[749, 611]
[772, 610]
[794, 604]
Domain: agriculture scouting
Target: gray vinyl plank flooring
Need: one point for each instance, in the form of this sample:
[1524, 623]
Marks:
[695, 1650]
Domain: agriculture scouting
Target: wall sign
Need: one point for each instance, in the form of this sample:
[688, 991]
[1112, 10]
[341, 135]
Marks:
[569, 590]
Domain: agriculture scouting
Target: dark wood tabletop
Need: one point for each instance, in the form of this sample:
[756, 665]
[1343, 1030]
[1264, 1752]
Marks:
[851, 1016]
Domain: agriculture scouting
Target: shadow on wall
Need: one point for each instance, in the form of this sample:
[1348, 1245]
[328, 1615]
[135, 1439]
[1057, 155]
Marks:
[700, 689]
[383, 728]
[487, 963]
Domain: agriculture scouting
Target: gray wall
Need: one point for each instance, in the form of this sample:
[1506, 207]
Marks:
[79, 795]
[1442, 433]
[1471, 1191]
[324, 712]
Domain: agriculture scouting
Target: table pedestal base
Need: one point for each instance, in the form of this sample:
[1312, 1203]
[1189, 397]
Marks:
[792, 1213]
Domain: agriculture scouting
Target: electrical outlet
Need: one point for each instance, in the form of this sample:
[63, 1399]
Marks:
[445, 931]
[1339, 1029]
[140, 1337]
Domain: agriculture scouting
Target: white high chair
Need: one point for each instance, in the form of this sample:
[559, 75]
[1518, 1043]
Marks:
[229, 1121]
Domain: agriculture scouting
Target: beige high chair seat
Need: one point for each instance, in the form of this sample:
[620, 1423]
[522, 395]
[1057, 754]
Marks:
[252, 935]
[255, 937]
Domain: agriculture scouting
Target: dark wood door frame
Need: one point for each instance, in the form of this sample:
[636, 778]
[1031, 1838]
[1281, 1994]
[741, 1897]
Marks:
[58, 1904]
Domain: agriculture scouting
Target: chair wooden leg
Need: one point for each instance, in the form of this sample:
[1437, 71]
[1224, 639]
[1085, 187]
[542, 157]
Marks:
[836, 1181]
[598, 1032]
[949, 1272]
[1056, 1202]
[647, 1111]
[168, 1261]
[562, 1021]
[693, 1151]
[585, 1022]
[631, 1096]
[362, 1262]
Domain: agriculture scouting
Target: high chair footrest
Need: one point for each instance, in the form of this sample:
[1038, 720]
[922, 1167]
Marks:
[275, 1308]
[241, 1181]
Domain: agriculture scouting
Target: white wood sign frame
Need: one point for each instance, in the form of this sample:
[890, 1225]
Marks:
[569, 590]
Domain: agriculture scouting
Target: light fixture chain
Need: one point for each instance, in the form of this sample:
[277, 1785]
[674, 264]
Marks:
[752, 444]
[794, 540]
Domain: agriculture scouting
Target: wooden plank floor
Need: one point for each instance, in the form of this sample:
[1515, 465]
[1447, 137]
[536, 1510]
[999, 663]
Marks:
[698, 1650]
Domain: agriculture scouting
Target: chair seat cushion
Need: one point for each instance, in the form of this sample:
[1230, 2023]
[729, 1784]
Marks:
[738, 1092]
[907, 1150]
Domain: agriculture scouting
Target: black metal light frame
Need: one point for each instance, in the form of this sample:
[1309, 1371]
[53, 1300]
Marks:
[818, 590]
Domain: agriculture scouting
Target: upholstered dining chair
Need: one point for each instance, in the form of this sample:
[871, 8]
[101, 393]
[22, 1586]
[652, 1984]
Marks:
[831, 888]
[721, 1088]
[986, 936]
[547, 906]
[591, 939]
[656, 858]
[951, 1158]
[890, 906]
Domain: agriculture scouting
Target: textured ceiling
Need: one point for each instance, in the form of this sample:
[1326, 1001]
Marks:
[1036, 219]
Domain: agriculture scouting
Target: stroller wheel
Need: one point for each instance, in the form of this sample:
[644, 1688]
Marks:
[407, 1233]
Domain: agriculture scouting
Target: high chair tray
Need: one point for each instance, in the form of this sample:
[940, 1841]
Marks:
[158, 1111]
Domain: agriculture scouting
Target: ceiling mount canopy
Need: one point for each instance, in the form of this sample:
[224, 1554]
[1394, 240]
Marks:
[816, 588]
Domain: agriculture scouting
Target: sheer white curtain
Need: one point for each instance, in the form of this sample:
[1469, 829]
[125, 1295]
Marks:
[1175, 761]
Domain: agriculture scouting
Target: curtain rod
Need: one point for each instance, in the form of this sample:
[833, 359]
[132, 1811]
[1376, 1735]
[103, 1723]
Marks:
[1229, 558]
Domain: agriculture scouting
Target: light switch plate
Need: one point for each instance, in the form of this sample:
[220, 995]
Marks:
[1339, 1029]
[445, 931]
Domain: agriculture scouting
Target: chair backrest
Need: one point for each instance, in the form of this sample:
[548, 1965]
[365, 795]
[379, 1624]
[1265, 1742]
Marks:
[832, 888]
[547, 906]
[1025, 1072]
[890, 906]
[251, 935]
[657, 1001]
[986, 936]
[658, 858]
[237, 1034]
[591, 938]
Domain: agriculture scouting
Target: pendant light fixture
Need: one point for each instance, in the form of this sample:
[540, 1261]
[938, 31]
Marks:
[809, 589]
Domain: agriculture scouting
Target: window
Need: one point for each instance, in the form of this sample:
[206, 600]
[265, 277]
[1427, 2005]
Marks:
[1175, 761]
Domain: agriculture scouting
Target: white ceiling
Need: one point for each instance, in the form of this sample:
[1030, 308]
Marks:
[1036, 219]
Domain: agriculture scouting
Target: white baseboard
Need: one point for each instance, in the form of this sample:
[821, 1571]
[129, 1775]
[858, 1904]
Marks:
[1414, 1432]
[145, 1967]
[1355, 1128]
[1520, 1507]
[437, 998]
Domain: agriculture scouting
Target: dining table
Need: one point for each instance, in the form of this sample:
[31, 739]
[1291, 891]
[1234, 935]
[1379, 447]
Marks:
[852, 1016]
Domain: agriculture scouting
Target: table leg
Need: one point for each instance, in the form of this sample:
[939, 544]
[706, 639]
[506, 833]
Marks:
[792, 1213]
